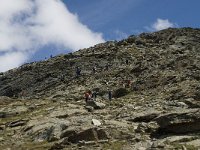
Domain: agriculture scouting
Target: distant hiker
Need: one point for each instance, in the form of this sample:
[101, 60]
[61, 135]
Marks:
[78, 71]
[110, 95]
[88, 96]
[128, 83]
[62, 78]
[22, 94]
[51, 56]
[105, 82]
[123, 84]
[94, 70]
[135, 86]
[94, 95]
[127, 62]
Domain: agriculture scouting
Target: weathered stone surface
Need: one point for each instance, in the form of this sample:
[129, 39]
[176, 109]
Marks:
[9, 112]
[96, 105]
[89, 108]
[144, 117]
[180, 122]
[192, 103]
[45, 128]
[17, 123]
[92, 134]
[45, 134]
[68, 133]
[3, 114]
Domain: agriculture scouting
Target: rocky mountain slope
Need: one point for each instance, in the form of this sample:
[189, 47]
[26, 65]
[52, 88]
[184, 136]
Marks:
[155, 82]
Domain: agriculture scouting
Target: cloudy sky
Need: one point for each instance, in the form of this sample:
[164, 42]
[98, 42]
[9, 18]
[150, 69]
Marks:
[31, 30]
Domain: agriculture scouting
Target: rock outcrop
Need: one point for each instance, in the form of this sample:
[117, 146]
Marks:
[179, 122]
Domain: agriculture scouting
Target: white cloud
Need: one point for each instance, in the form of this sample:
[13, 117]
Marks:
[12, 60]
[161, 24]
[29, 25]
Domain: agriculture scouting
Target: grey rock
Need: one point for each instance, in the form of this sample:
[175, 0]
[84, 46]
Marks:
[144, 117]
[179, 122]
[92, 134]
[96, 105]
[89, 108]
[45, 135]
[17, 123]
[96, 122]
[68, 133]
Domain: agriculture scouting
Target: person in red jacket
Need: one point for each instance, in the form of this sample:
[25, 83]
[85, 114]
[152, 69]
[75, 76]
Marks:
[88, 96]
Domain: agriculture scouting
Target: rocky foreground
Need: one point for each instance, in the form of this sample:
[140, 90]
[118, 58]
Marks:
[42, 104]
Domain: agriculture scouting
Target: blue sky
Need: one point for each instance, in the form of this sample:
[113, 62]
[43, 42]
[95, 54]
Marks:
[117, 19]
[32, 30]
[132, 16]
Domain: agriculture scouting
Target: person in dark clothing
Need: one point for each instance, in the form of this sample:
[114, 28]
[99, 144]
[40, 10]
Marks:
[62, 78]
[127, 62]
[94, 95]
[110, 95]
[78, 71]
[94, 70]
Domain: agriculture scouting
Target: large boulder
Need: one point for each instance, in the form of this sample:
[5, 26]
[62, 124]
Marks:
[179, 122]
[46, 129]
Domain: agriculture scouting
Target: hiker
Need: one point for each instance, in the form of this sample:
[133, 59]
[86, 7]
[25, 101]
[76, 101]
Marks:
[51, 56]
[62, 78]
[88, 96]
[128, 83]
[22, 94]
[127, 62]
[110, 95]
[135, 86]
[123, 84]
[94, 70]
[78, 71]
[94, 95]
